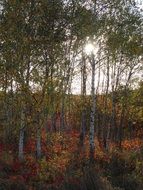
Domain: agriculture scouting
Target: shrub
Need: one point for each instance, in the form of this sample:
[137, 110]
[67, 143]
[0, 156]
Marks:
[12, 185]
[124, 171]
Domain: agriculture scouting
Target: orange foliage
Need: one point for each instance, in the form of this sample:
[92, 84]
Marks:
[60, 152]
[133, 144]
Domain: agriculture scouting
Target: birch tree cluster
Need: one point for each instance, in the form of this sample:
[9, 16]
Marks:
[42, 57]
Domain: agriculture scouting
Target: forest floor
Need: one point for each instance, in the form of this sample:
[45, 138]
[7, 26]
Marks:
[65, 165]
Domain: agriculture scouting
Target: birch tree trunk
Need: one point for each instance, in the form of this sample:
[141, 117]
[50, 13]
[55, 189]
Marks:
[92, 116]
[97, 117]
[113, 125]
[39, 152]
[38, 140]
[105, 120]
[83, 94]
[21, 135]
[62, 118]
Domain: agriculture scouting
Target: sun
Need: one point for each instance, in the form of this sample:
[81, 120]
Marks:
[89, 48]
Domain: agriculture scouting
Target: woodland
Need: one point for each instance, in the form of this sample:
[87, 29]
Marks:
[71, 95]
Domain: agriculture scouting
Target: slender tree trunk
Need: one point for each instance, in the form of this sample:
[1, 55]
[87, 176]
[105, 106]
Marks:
[38, 143]
[113, 126]
[113, 119]
[83, 94]
[38, 140]
[83, 127]
[130, 126]
[62, 118]
[6, 108]
[53, 122]
[68, 122]
[21, 136]
[92, 116]
[10, 112]
[105, 121]
[98, 124]
[120, 129]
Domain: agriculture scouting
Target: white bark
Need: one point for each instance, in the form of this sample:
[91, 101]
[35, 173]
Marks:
[83, 93]
[92, 116]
